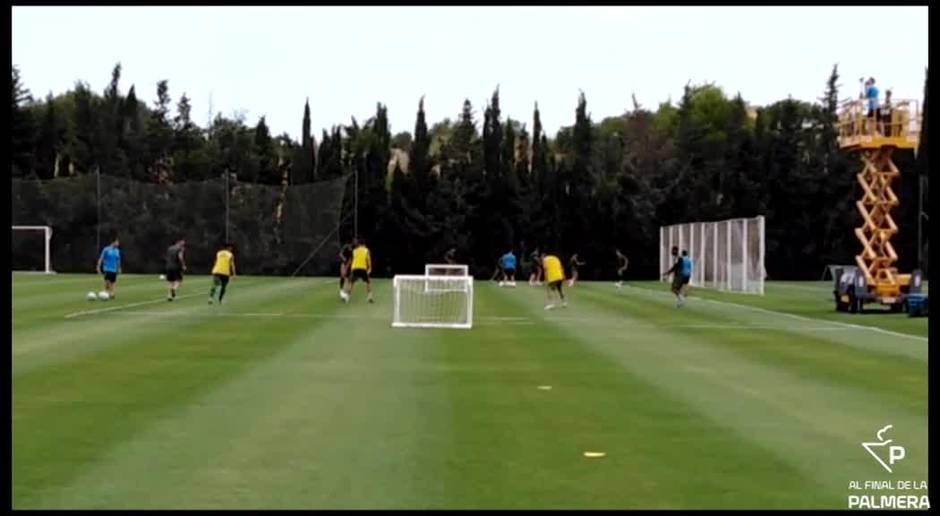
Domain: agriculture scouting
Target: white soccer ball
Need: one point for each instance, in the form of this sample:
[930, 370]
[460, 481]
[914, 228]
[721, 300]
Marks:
[91, 296]
[104, 296]
[162, 276]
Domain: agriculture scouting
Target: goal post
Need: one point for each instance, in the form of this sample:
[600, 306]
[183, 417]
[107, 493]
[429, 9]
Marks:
[726, 255]
[46, 232]
[432, 301]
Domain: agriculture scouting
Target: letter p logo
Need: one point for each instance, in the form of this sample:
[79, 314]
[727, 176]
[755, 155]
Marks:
[895, 453]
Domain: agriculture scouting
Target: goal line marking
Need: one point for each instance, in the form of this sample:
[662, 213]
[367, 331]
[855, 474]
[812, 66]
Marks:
[121, 307]
[521, 321]
[792, 316]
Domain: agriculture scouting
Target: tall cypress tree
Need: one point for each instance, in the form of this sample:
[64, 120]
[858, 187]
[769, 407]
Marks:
[419, 164]
[307, 167]
[578, 180]
[264, 152]
[21, 131]
[49, 140]
[836, 178]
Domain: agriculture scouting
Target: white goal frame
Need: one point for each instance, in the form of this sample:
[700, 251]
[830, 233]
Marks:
[465, 280]
[47, 231]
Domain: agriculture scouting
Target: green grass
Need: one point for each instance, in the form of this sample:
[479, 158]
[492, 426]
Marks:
[286, 398]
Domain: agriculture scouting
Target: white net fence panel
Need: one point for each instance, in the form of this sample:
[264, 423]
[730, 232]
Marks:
[433, 301]
[737, 257]
[726, 255]
[755, 248]
[723, 260]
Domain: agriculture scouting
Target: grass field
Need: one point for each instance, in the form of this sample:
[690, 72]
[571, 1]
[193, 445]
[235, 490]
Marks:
[286, 398]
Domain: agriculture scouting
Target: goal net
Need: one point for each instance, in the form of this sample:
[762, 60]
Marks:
[726, 255]
[31, 249]
[440, 269]
[434, 270]
[433, 301]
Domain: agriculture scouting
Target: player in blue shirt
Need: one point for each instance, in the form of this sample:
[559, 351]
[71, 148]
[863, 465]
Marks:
[871, 94]
[508, 264]
[686, 274]
[681, 272]
[109, 265]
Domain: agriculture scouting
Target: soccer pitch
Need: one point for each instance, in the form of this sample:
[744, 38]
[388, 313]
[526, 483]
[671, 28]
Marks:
[286, 398]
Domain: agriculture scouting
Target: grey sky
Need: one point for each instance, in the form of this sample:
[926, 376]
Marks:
[267, 60]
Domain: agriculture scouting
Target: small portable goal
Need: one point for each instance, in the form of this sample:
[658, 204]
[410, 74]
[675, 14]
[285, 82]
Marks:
[433, 301]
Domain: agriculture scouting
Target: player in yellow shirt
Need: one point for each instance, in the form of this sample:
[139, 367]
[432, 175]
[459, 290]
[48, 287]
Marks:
[222, 271]
[360, 268]
[554, 279]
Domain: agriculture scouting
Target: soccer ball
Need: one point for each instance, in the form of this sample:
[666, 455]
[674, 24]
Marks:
[104, 296]
[91, 296]
[163, 276]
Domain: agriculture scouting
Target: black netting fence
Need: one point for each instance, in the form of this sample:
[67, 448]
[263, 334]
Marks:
[276, 229]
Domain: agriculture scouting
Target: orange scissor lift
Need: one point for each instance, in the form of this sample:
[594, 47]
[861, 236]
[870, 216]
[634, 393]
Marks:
[874, 278]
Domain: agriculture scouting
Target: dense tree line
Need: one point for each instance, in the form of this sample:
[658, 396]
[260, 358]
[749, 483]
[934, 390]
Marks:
[485, 185]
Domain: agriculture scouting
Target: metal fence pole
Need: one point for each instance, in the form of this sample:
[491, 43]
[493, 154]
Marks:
[98, 209]
[356, 205]
[920, 222]
[227, 193]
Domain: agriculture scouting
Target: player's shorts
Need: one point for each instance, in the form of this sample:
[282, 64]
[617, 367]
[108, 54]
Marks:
[678, 281]
[110, 277]
[174, 275]
[360, 274]
[220, 279]
[686, 279]
[510, 272]
[556, 285]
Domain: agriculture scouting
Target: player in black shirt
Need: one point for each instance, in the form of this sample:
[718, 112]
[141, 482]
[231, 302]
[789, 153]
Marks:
[175, 267]
[535, 277]
[345, 257]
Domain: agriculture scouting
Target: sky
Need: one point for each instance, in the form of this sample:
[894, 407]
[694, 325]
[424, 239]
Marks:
[266, 61]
